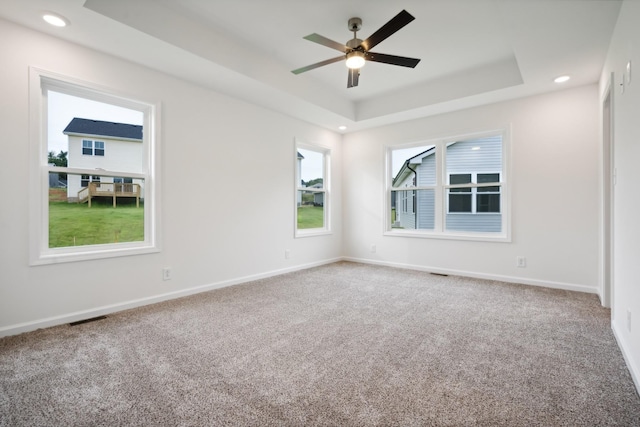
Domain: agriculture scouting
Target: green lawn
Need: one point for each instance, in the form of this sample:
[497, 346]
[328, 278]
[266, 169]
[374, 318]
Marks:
[310, 217]
[72, 224]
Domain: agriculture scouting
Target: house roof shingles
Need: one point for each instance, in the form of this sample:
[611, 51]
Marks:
[105, 129]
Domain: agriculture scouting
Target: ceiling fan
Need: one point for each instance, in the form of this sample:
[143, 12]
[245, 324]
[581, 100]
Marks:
[357, 52]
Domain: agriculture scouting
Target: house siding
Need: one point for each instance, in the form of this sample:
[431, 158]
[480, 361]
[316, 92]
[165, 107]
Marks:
[426, 198]
[118, 155]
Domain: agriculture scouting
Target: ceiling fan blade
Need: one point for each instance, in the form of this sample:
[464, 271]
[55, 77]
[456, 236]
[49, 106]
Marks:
[352, 79]
[403, 61]
[318, 64]
[317, 38]
[397, 22]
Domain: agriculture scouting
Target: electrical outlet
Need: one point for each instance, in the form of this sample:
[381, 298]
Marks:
[166, 273]
[287, 254]
[629, 320]
[373, 249]
[521, 261]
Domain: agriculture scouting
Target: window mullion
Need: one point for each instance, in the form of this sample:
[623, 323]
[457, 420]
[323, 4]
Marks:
[439, 202]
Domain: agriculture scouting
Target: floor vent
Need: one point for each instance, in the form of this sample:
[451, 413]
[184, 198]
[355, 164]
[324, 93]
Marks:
[93, 319]
[440, 274]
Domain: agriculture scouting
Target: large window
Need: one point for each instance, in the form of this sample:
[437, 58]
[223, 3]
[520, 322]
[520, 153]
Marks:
[450, 188]
[88, 203]
[311, 190]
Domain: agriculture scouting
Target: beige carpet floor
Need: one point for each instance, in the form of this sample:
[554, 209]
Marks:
[339, 345]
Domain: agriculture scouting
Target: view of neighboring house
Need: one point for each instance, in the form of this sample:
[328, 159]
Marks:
[100, 145]
[318, 197]
[469, 207]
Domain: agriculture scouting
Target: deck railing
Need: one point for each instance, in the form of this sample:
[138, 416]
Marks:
[109, 189]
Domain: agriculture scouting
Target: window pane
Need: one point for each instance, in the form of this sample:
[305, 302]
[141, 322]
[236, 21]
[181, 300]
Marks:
[413, 166]
[488, 203]
[413, 209]
[82, 215]
[310, 209]
[74, 122]
[456, 179]
[460, 178]
[488, 177]
[459, 202]
[311, 167]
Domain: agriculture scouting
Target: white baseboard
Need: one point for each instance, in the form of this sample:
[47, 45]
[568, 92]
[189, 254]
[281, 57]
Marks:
[497, 277]
[626, 353]
[108, 309]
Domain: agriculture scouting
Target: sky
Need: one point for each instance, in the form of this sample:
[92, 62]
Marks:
[399, 156]
[63, 108]
[311, 166]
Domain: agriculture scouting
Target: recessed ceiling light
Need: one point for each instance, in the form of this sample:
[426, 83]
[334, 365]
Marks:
[55, 19]
[475, 148]
[561, 79]
[343, 127]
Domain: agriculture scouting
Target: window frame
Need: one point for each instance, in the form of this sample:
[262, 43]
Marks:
[326, 189]
[42, 81]
[442, 186]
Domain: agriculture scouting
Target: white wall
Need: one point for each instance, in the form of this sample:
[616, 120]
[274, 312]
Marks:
[554, 185]
[227, 191]
[625, 47]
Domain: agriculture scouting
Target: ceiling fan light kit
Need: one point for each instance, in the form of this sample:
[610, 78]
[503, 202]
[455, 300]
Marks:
[355, 60]
[357, 52]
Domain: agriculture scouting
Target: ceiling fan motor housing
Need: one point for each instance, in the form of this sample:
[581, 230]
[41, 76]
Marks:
[354, 43]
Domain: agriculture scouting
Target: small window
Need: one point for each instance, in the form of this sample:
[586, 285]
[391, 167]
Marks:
[87, 147]
[86, 179]
[98, 148]
[311, 190]
[474, 199]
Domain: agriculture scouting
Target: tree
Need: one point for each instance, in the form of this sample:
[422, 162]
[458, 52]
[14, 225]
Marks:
[58, 160]
[312, 182]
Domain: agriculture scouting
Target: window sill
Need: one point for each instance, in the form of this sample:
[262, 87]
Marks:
[312, 232]
[468, 236]
[61, 255]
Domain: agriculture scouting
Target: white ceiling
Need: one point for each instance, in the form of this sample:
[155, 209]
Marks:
[473, 51]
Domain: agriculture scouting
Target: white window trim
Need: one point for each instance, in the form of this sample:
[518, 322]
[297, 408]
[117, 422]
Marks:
[441, 202]
[39, 251]
[326, 181]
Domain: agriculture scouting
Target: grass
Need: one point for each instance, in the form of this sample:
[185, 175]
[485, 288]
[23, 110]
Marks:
[310, 217]
[72, 224]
